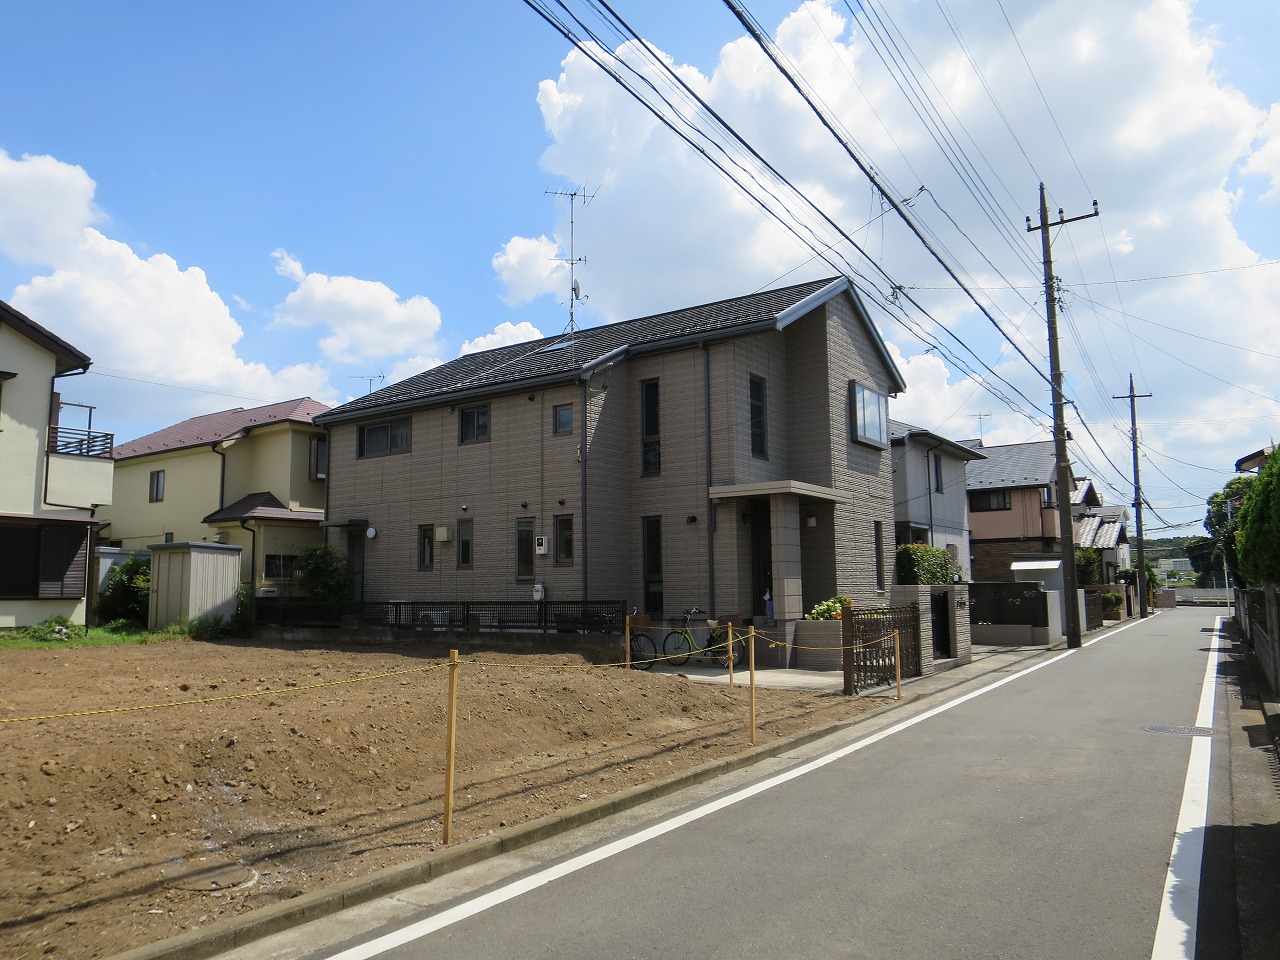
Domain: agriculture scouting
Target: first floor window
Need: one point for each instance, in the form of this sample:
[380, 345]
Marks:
[279, 566]
[879, 537]
[564, 540]
[48, 561]
[524, 548]
[426, 546]
[651, 562]
[155, 486]
[870, 410]
[464, 544]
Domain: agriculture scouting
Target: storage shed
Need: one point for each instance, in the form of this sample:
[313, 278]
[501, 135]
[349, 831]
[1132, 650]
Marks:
[190, 580]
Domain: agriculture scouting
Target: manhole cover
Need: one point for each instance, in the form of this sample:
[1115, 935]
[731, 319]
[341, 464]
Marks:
[217, 877]
[1175, 731]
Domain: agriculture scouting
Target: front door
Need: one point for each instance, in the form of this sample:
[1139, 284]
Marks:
[761, 558]
[355, 564]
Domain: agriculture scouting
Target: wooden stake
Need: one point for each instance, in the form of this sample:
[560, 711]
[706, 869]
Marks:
[728, 635]
[626, 641]
[451, 727]
[751, 665]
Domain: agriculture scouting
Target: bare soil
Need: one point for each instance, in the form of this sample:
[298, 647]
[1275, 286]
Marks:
[125, 827]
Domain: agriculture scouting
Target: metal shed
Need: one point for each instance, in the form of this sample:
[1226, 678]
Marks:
[190, 580]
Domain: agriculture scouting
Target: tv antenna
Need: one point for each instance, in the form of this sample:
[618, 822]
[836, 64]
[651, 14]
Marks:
[979, 417]
[381, 378]
[575, 290]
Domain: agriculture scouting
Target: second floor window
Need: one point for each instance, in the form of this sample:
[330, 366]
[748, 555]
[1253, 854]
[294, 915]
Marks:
[981, 501]
[562, 418]
[318, 458]
[155, 487]
[650, 450]
[473, 424]
[759, 418]
[870, 410]
[383, 439]
[937, 472]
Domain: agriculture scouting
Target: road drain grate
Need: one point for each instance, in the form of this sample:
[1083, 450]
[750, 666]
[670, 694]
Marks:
[1175, 731]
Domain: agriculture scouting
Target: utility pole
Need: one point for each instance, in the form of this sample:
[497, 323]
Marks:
[1137, 494]
[1066, 534]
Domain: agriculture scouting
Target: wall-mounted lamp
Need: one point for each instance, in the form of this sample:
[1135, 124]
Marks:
[464, 508]
[524, 504]
[561, 501]
[371, 532]
[691, 519]
[531, 398]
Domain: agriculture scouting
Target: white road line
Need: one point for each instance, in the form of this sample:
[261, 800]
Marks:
[510, 891]
[1180, 903]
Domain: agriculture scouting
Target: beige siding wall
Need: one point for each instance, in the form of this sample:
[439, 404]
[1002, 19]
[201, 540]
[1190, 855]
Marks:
[190, 493]
[24, 422]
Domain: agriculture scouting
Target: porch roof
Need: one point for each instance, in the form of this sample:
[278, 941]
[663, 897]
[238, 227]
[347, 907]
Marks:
[766, 488]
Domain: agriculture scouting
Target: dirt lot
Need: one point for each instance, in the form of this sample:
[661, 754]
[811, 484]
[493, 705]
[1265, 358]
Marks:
[306, 778]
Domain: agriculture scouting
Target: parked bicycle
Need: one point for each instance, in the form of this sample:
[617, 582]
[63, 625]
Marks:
[682, 644]
[644, 651]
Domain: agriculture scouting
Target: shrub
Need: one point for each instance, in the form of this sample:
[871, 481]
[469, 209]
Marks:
[1088, 565]
[1112, 602]
[322, 572]
[921, 563]
[53, 630]
[212, 626]
[127, 592]
[829, 609]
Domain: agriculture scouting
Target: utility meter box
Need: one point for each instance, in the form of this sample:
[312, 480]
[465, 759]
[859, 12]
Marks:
[442, 534]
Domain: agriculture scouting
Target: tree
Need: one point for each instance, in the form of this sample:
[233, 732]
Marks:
[127, 593]
[921, 563]
[1088, 565]
[1257, 527]
[1223, 519]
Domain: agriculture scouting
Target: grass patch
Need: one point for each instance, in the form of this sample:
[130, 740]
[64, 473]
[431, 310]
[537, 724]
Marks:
[48, 636]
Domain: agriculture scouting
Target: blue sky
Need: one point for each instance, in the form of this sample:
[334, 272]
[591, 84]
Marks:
[234, 203]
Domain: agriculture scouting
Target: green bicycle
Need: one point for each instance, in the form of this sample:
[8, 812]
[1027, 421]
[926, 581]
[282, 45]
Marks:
[682, 644]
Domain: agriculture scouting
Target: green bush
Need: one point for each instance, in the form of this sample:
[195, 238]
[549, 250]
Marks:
[1088, 565]
[1112, 602]
[127, 593]
[53, 630]
[211, 626]
[920, 563]
[829, 609]
[322, 573]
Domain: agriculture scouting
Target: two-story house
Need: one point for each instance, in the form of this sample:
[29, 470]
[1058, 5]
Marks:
[1012, 506]
[53, 476]
[251, 477]
[708, 456]
[930, 499]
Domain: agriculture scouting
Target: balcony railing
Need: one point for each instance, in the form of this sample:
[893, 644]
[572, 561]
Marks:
[80, 442]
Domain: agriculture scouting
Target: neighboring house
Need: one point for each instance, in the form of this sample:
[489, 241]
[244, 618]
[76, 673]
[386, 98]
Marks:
[52, 477]
[930, 501]
[700, 457]
[249, 477]
[1254, 462]
[1105, 529]
[1012, 506]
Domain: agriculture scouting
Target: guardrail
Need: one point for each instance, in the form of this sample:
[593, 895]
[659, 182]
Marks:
[80, 442]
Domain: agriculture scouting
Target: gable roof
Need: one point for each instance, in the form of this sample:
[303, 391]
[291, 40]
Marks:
[579, 354]
[261, 506]
[900, 434]
[66, 357]
[1014, 465]
[1101, 533]
[224, 424]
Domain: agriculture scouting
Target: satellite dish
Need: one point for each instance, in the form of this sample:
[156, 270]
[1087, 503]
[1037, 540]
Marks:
[577, 291]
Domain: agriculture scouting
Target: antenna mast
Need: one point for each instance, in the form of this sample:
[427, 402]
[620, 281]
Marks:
[575, 292]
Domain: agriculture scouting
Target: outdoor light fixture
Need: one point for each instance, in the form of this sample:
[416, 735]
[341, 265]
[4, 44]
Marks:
[464, 508]
[524, 504]
[691, 518]
[561, 501]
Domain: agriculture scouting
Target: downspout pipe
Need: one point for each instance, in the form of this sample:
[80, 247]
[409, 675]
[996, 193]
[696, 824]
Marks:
[711, 529]
[44, 494]
[253, 575]
[222, 473]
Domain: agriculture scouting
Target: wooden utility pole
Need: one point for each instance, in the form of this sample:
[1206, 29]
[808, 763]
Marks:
[1141, 565]
[1066, 534]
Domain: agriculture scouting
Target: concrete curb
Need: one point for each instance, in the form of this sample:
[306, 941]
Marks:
[201, 944]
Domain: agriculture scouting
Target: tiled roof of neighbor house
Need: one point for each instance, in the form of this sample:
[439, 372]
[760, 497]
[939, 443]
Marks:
[1085, 493]
[570, 355]
[68, 358]
[1100, 533]
[261, 506]
[1013, 465]
[900, 433]
[219, 426]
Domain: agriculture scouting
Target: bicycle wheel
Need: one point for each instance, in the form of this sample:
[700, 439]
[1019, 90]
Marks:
[643, 652]
[718, 648]
[739, 651]
[677, 648]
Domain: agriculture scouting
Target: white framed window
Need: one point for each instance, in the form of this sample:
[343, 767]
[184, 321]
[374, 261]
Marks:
[870, 409]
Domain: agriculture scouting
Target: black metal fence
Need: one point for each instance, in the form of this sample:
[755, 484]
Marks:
[457, 616]
[867, 637]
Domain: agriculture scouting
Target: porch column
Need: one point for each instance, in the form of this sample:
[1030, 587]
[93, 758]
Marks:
[784, 526]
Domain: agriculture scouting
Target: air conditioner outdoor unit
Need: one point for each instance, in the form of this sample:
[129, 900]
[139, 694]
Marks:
[442, 535]
[539, 544]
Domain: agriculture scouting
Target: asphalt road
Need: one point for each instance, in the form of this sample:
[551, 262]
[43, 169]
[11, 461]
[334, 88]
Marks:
[1028, 815]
